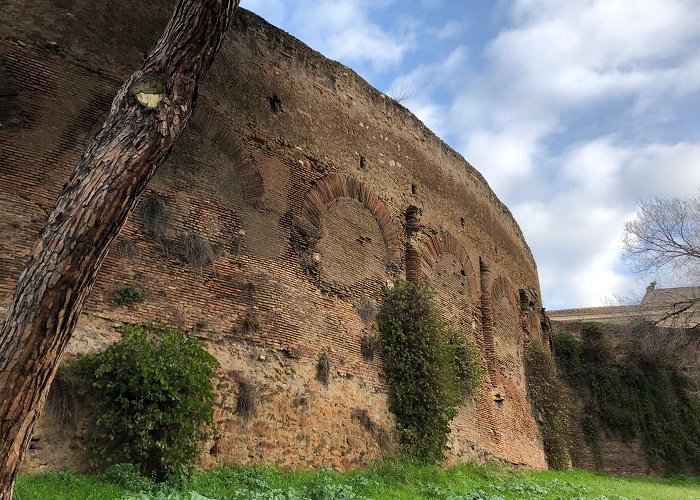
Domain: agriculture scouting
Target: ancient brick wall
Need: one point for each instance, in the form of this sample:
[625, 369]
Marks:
[281, 211]
[627, 342]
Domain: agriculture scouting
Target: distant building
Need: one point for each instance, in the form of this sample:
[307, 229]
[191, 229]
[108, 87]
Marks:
[678, 307]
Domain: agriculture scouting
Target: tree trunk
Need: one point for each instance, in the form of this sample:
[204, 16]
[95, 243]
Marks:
[148, 114]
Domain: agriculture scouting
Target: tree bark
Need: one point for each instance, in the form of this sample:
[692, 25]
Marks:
[147, 115]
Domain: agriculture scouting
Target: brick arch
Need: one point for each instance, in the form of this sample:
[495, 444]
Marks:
[213, 126]
[502, 287]
[335, 186]
[435, 245]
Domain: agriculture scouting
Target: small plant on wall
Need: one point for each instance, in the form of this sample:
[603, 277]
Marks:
[154, 215]
[323, 368]
[128, 294]
[246, 400]
[154, 399]
[196, 251]
[427, 381]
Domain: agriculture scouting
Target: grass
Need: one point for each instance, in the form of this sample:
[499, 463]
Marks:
[384, 480]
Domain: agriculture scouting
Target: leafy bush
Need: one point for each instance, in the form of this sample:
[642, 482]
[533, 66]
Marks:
[153, 396]
[551, 403]
[426, 381]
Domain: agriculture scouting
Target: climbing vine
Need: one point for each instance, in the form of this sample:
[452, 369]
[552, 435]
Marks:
[429, 369]
[641, 398]
[551, 404]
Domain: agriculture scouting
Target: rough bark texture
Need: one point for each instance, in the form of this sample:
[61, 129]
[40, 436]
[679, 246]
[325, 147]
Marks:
[149, 112]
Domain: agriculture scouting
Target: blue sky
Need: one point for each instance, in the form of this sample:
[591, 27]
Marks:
[573, 110]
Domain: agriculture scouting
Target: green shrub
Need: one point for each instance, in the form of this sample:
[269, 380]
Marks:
[154, 399]
[551, 403]
[128, 294]
[421, 369]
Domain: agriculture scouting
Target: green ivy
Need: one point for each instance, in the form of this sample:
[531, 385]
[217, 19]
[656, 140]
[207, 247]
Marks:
[428, 368]
[551, 403]
[154, 399]
[568, 355]
[467, 365]
[641, 398]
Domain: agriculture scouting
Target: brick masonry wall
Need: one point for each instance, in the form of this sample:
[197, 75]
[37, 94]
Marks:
[295, 176]
[627, 340]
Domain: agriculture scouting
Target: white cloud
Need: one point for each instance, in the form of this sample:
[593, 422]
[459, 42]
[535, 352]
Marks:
[451, 29]
[583, 57]
[573, 52]
[344, 30]
[575, 232]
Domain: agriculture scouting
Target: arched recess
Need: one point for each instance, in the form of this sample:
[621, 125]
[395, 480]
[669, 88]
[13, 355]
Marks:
[444, 262]
[432, 246]
[250, 189]
[214, 127]
[327, 190]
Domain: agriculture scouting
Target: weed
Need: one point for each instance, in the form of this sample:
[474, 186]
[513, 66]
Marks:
[369, 345]
[362, 416]
[125, 249]
[252, 321]
[367, 310]
[196, 251]
[245, 402]
[128, 294]
[154, 215]
[323, 367]
[128, 477]
[62, 398]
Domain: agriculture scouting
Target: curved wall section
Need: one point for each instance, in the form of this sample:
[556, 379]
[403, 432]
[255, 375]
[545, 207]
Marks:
[302, 187]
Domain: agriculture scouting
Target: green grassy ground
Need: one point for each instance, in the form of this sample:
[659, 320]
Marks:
[388, 480]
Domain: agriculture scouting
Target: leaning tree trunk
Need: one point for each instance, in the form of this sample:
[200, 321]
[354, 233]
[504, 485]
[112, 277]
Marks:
[148, 113]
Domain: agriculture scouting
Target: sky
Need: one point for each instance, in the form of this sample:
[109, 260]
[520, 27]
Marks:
[573, 110]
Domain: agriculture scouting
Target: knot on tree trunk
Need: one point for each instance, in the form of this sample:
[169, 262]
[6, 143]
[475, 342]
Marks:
[149, 90]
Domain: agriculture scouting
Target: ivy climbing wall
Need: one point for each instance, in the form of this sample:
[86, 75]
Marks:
[294, 195]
